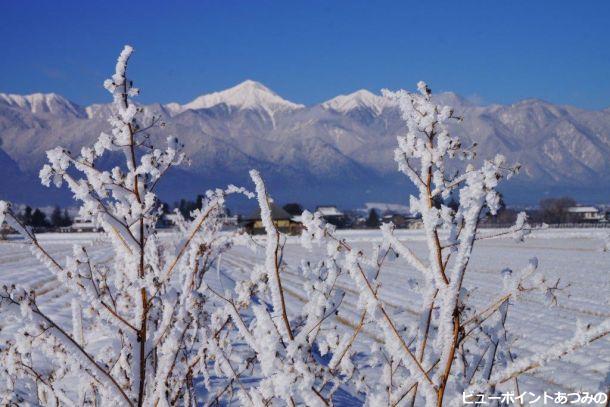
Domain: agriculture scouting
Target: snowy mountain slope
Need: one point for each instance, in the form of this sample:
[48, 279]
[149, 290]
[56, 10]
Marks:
[41, 103]
[11, 175]
[556, 144]
[338, 151]
[18, 186]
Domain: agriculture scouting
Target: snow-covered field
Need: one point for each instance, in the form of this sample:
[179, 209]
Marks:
[574, 256]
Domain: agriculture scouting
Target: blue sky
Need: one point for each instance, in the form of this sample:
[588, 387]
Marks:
[309, 51]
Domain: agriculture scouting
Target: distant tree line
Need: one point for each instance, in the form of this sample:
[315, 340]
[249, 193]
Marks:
[554, 210]
[36, 218]
[550, 210]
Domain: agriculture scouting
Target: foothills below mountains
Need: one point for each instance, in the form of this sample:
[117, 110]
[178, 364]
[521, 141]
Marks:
[338, 152]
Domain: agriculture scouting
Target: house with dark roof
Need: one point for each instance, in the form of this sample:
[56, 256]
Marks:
[282, 220]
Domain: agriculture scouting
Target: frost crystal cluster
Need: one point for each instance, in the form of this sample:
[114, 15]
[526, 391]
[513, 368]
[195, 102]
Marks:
[150, 328]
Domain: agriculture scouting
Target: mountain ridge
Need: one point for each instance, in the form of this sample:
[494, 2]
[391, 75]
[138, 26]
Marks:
[446, 97]
[340, 149]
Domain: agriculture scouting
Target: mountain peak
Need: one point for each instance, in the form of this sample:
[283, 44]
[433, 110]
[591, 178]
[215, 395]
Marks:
[246, 95]
[359, 99]
[42, 103]
[249, 84]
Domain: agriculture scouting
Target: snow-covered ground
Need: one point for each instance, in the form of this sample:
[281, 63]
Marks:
[574, 256]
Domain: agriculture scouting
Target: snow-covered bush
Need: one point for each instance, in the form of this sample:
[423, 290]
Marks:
[140, 330]
[149, 328]
[303, 357]
[455, 347]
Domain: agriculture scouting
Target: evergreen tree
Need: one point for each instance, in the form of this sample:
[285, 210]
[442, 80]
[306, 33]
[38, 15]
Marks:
[27, 216]
[199, 202]
[373, 219]
[39, 219]
[57, 219]
[66, 219]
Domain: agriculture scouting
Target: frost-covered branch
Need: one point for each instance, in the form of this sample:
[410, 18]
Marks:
[273, 253]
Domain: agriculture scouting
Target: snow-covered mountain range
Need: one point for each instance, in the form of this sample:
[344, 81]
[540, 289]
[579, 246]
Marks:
[339, 151]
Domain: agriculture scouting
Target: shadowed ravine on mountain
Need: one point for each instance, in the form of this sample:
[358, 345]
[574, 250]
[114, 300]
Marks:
[339, 151]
